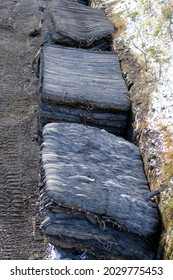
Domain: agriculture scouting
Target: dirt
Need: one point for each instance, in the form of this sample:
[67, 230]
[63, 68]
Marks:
[20, 237]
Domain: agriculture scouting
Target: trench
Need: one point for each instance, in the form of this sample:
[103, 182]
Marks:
[128, 135]
[19, 231]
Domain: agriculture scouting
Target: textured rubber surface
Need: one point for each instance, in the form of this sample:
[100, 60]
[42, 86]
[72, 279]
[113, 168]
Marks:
[95, 194]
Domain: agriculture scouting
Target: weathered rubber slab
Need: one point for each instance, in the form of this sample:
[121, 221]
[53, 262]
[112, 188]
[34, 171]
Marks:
[78, 22]
[74, 232]
[87, 83]
[112, 122]
[95, 191]
[75, 76]
[51, 36]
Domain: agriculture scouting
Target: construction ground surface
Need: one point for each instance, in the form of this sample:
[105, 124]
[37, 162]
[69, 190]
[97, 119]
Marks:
[20, 237]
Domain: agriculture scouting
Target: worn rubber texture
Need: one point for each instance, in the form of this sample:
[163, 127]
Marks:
[95, 193]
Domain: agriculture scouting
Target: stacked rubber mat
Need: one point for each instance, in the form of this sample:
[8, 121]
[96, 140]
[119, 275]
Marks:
[69, 23]
[94, 196]
[77, 85]
[84, 87]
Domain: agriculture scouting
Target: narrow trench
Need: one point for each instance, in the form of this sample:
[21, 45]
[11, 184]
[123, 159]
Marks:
[128, 136]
